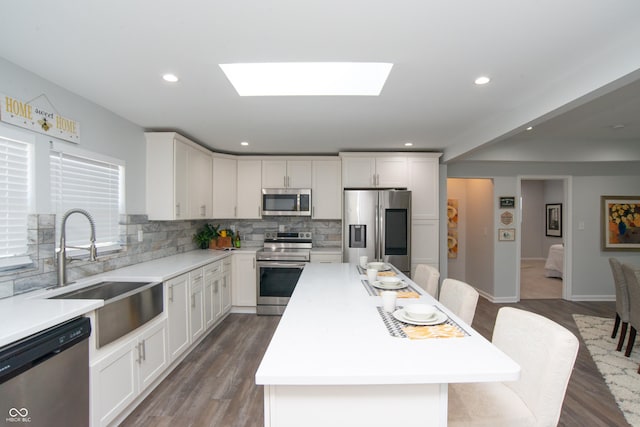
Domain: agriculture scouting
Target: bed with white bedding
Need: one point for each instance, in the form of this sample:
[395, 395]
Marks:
[553, 267]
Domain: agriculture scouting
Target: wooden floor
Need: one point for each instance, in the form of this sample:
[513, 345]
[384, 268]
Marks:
[214, 386]
[534, 283]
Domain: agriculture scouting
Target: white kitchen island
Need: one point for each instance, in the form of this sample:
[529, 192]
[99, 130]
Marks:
[333, 362]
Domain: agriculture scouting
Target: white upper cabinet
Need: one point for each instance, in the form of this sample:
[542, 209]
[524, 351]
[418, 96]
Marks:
[326, 189]
[423, 183]
[224, 187]
[286, 174]
[179, 175]
[383, 170]
[199, 176]
[249, 192]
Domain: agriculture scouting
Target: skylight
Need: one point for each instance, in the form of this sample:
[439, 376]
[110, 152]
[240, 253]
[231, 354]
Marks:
[308, 78]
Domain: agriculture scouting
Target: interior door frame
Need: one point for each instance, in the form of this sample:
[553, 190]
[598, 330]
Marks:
[567, 214]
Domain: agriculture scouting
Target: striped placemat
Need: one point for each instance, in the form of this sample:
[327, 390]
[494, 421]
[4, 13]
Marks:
[395, 327]
[374, 292]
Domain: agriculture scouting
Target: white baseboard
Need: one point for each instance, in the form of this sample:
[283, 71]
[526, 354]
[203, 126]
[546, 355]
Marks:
[592, 298]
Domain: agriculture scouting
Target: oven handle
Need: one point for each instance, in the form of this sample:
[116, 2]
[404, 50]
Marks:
[299, 265]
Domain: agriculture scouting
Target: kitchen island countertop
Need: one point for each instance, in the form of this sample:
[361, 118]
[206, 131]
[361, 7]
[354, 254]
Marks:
[332, 354]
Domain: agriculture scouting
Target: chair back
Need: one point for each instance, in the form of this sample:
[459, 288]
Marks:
[427, 277]
[622, 293]
[459, 297]
[546, 353]
[632, 277]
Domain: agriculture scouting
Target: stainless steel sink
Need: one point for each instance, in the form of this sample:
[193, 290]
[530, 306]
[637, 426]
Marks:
[104, 290]
[127, 306]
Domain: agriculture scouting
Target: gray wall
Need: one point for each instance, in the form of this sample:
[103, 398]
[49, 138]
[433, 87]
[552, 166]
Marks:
[533, 216]
[591, 276]
[101, 131]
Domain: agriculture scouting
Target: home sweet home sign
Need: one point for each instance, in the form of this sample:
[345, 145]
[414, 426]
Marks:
[39, 119]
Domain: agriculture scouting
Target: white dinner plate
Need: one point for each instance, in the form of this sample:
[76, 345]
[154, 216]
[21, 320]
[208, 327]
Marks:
[380, 266]
[389, 286]
[438, 318]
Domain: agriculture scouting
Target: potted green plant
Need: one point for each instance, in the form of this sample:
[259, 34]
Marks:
[204, 236]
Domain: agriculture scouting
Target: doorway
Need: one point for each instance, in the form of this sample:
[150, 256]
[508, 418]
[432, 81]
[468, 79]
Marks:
[544, 227]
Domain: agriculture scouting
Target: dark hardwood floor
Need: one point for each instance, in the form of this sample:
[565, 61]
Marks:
[214, 386]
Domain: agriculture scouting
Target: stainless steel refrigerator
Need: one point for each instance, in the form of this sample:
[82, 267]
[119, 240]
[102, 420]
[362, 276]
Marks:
[377, 223]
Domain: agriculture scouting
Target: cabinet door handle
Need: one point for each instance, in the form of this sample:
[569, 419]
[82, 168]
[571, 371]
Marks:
[139, 360]
[171, 293]
[203, 210]
[144, 349]
[254, 263]
[177, 210]
[235, 211]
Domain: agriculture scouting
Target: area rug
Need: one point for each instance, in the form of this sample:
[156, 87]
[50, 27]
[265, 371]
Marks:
[619, 372]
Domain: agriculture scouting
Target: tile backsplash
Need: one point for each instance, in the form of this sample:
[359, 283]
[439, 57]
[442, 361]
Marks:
[160, 239]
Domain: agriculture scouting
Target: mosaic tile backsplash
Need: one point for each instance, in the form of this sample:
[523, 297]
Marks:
[161, 239]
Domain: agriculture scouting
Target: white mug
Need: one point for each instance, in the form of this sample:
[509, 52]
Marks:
[372, 274]
[363, 261]
[389, 300]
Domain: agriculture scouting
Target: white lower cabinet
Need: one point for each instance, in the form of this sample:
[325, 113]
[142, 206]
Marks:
[196, 312]
[226, 285]
[212, 293]
[177, 304]
[244, 280]
[127, 370]
[194, 303]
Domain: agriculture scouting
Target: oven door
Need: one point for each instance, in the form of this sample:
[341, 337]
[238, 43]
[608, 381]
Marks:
[276, 282]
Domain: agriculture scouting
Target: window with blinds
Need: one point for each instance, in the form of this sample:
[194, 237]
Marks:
[92, 185]
[14, 197]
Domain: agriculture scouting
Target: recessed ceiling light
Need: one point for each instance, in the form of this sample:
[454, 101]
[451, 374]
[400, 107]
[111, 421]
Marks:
[530, 127]
[408, 144]
[482, 80]
[308, 78]
[244, 143]
[171, 78]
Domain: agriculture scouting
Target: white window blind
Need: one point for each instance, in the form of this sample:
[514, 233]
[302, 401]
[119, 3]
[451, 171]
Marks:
[14, 197]
[92, 185]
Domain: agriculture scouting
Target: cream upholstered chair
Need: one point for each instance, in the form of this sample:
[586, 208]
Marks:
[546, 353]
[622, 301]
[427, 277]
[460, 298]
[632, 276]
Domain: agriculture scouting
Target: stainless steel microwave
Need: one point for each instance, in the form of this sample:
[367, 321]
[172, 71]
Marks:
[286, 202]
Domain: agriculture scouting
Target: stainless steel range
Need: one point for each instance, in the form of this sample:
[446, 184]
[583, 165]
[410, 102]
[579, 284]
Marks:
[280, 263]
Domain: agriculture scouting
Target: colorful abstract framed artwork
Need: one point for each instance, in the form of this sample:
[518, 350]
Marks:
[620, 223]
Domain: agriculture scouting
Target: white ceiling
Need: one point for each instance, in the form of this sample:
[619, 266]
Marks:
[571, 68]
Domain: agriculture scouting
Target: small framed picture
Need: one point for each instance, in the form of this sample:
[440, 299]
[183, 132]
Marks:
[506, 234]
[554, 220]
[507, 202]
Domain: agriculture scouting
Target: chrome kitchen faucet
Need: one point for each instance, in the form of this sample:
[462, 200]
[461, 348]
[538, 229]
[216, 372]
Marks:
[62, 253]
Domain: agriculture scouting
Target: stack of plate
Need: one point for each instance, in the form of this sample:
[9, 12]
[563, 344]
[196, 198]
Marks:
[435, 319]
[389, 283]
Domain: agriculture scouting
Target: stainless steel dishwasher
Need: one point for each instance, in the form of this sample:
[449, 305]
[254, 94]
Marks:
[44, 378]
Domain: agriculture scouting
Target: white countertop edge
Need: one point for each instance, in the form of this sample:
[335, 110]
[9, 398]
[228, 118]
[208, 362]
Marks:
[29, 313]
[448, 377]
[38, 315]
